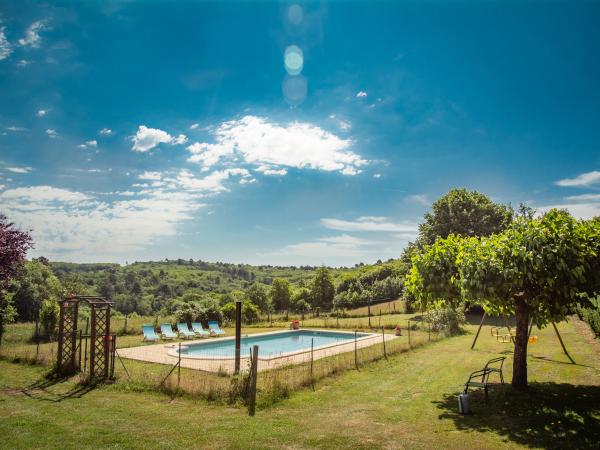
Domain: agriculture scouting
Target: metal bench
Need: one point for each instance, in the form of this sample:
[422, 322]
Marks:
[480, 378]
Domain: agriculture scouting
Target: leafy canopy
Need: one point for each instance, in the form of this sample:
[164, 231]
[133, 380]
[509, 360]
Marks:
[550, 262]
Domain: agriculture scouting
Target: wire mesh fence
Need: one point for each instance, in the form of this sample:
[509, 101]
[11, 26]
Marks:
[204, 367]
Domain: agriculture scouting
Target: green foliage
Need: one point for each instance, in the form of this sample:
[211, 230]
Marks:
[464, 213]
[591, 315]
[36, 284]
[257, 294]
[446, 320]
[549, 261]
[539, 269]
[281, 294]
[322, 290]
[49, 315]
[370, 284]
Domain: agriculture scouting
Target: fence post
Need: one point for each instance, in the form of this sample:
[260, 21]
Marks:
[383, 338]
[238, 335]
[312, 378]
[253, 373]
[369, 312]
[355, 351]
[408, 332]
[179, 366]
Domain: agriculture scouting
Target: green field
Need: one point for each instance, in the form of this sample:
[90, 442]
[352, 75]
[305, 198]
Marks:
[408, 401]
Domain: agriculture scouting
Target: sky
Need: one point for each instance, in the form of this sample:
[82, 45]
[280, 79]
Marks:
[287, 133]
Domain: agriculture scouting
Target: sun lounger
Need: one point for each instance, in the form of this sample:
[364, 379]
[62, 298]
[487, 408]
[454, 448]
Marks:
[184, 330]
[199, 329]
[167, 332]
[149, 333]
[214, 328]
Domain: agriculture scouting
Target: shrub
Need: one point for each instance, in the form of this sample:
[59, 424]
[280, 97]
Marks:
[446, 320]
[49, 315]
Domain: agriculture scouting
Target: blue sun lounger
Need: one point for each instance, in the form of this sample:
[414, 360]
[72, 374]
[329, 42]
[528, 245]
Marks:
[167, 332]
[199, 329]
[184, 331]
[214, 327]
[149, 333]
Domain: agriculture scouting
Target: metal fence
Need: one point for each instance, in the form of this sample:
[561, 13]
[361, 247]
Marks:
[167, 367]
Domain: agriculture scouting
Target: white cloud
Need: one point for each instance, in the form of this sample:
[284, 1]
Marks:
[361, 94]
[77, 226]
[19, 169]
[208, 154]
[369, 223]
[32, 34]
[23, 63]
[421, 199]
[106, 132]
[43, 195]
[87, 144]
[579, 210]
[15, 128]
[585, 179]
[150, 176]
[181, 139]
[268, 170]
[52, 134]
[146, 139]
[213, 183]
[343, 125]
[584, 198]
[42, 112]
[261, 142]
[376, 175]
[5, 47]
[194, 126]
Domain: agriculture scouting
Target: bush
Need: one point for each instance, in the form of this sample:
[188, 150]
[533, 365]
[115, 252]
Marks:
[49, 315]
[446, 320]
[250, 312]
[591, 315]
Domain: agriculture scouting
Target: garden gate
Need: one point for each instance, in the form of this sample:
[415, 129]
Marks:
[71, 341]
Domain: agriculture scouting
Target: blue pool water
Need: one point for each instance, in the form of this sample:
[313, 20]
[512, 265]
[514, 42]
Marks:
[270, 345]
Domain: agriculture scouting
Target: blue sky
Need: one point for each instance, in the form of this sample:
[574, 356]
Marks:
[287, 133]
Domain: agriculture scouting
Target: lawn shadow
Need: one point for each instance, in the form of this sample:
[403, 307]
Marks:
[50, 390]
[548, 415]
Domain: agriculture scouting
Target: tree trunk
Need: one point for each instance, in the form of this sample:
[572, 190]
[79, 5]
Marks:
[519, 379]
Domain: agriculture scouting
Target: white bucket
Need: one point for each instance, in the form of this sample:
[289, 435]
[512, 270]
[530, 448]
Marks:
[463, 404]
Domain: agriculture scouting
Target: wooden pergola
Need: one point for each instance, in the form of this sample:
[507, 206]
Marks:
[72, 341]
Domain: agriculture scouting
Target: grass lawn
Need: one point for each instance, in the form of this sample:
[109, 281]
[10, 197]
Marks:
[408, 401]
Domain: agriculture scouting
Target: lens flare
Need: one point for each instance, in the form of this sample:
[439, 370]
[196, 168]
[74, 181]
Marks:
[294, 89]
[295, 14]
[293, 60]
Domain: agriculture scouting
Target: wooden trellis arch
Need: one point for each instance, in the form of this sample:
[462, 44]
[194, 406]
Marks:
[72, 341]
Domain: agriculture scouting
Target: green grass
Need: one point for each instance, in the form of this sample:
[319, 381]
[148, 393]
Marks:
[408, 401]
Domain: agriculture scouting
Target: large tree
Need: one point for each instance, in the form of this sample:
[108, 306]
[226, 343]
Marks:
[35, 284]
[281, 294]
[14, 244]
[538, 269]
[464, 213]
[258, 295]
[322, 290]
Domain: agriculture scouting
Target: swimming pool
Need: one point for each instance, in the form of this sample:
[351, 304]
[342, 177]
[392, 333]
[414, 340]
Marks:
[271, 345]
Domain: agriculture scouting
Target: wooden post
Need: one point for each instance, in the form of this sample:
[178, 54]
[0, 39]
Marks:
[179, 366]
[238, 335]
[562, 343]
[312, 378]
[369, 312]
[408, 332]
[478, 330]
[253, 375]
[530, 328]
[108, 343]
[355, 351]
[93, 344]
[383, 338]
[380, 318]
